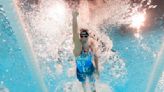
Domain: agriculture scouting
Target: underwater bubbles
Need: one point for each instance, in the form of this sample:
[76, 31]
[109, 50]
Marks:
[49, 30]
[75, 86]
[160, 85]
[4, 89]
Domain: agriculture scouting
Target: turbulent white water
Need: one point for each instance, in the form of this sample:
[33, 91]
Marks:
[4, 89]
[76, 87]
[160, 86]
[49, 30]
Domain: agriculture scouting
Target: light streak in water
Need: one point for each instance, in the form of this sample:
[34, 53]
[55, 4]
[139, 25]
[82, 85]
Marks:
[156, 71]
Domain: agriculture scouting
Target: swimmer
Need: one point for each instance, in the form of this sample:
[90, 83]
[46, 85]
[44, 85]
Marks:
[85, 53]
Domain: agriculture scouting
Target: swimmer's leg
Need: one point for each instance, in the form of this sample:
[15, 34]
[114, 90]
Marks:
[82, 78]
[84, 86]
[92, 86]
[92, 83]
[91, 77]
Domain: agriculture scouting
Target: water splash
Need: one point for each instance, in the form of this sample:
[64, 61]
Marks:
[4, 89]
[48, 26]
[160, 85]
[77, 87]
[6, 25]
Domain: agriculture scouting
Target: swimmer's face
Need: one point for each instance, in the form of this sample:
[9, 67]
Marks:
[84, 36]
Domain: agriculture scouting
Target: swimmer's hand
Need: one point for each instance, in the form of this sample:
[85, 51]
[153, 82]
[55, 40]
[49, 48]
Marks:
[75, 13]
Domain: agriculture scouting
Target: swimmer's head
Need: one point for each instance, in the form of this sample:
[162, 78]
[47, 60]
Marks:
[84, 34]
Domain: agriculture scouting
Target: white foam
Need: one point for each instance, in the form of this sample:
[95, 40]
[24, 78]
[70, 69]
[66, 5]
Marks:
[49, 29]
[4, 89]
[77, 87]
[160, 85]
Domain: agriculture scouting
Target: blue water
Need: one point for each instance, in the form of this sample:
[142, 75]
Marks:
[17, 76]
[139, 61]
[15, 73]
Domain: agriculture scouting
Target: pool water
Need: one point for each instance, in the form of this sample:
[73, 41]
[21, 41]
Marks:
[129, 70]
[15, 73]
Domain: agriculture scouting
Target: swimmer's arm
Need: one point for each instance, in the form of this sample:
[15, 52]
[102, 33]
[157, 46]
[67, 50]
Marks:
[96, 62]
[76, 39]
[94, 49]
[74, 24]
